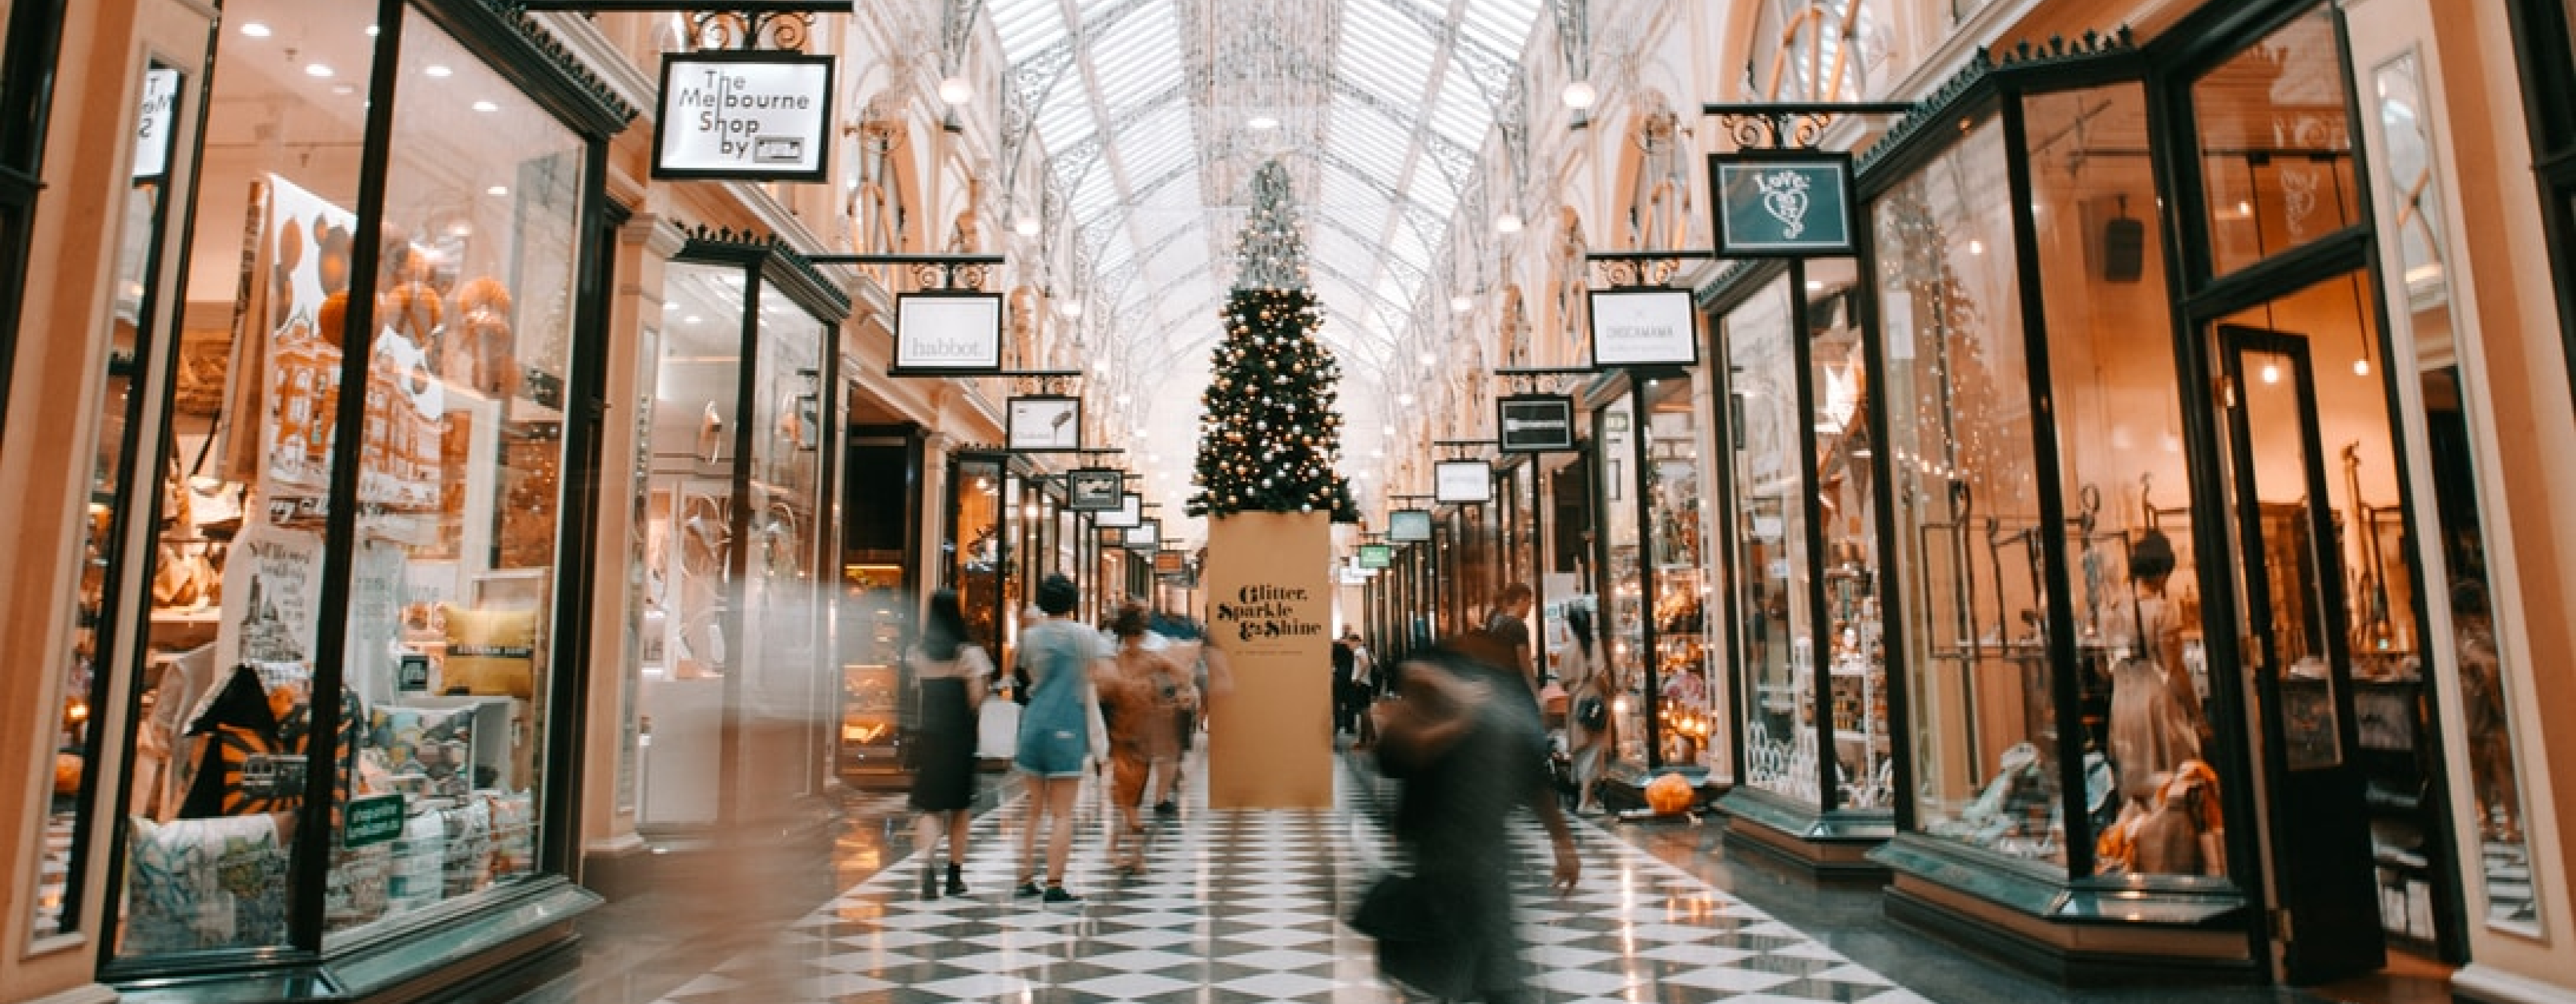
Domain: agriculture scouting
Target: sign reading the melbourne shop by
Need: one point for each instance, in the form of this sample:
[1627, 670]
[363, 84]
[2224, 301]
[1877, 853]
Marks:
[1792, 204]
[940, 333]
[1644, 327]
[1534, 423]
[743, 116]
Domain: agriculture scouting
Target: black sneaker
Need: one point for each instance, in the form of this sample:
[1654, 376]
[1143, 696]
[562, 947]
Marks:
[956, 881]
[1057, 894]
[1166, 809]
[1027, 889]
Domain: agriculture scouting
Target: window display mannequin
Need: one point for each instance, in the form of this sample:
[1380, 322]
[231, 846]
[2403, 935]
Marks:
[2158, 731]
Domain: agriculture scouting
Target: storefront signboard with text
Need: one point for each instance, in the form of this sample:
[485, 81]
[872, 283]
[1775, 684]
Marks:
[1375, 556]
[1644, 327]
[1130, 511]
[1469, 482]
[1044, 423]
[1408, 526]
[1534, 423]
[1095, 489]
[947, 333]
[1782, 204]
[155, 122]
[1146, 535]
[743, 116]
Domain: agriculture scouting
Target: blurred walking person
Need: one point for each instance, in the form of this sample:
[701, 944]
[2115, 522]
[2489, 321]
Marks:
[1055, 733]
[950, 678]
[1471, 753]
[1142, 694]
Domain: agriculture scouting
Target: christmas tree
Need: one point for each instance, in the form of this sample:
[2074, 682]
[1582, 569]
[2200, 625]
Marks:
[1269, 438]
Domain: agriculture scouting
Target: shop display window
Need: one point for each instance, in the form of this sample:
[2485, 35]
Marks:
[977, 555]
[2407, 170]
[425, 798]
[218, 757]
[1981, 696]
[1676, 520]
[2276, 145]
[2142, 681]
[1851, 651]
[1767, 519]
[1621, 618]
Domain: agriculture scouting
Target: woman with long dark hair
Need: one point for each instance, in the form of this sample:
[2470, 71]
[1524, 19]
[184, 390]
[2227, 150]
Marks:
[950, 677]
[1590, 698]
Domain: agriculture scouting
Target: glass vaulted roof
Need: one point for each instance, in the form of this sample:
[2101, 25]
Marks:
[1153, 114]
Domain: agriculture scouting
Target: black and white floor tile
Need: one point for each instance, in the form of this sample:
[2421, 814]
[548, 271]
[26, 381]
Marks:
[1247, 906]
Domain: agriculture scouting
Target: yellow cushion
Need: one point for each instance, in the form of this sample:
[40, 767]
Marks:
[490, 652]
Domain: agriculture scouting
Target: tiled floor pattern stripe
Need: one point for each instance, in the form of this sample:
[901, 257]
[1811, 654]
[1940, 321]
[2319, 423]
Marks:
[1247, 906]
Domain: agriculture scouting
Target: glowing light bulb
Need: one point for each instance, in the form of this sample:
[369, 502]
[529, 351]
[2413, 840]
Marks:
[956, 90]
[1507, 223]
[1026, 226]
[2271, 373]
[2361, 367]
[1579, 95]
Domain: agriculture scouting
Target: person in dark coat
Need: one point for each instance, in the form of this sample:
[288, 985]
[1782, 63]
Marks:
[1467, 742]
[952, 677]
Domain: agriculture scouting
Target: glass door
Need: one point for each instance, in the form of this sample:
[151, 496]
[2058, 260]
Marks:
[2297, 653]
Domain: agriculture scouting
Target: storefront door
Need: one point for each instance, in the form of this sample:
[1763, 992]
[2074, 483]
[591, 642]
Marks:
[2298, 653]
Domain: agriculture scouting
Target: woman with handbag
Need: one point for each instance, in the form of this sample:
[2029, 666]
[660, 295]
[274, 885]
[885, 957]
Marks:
[1055, 733]
[1588, 732]
[949, 679]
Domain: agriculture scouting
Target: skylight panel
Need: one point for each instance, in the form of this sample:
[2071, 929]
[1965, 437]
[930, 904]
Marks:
[1502, 25]
[1065, 121]
[1460, 112]
[1027, 25]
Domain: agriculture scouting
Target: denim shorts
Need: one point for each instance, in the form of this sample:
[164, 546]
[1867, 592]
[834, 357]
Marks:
[1052, 752]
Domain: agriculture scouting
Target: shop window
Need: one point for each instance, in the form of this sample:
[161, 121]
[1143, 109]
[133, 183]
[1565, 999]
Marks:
[1982, 699]
[1767, 517]
[1622, 617]
[2124, 481]
[460, 487]
[2465, 595]
[977, 557]
[138, 322]
[1676, 514]
[2275, 145]
[219, 766]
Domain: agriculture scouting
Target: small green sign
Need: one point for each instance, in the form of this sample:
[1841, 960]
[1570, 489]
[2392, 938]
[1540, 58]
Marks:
[1377, 555]
[1772, 204]
[373, 820]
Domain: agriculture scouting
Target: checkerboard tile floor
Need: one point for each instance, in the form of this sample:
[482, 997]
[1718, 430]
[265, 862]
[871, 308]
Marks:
[1247, 906]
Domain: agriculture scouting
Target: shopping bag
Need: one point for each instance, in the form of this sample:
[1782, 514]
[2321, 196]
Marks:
[997, 730]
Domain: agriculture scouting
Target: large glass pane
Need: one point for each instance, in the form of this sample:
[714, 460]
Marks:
[1981, 696]
[689, 637]
[224, 694]
[2275, 144]
[1854, 660]
[1621, 616]
[2466, 591]
[460, 488]
[974, 549]
[2123, 474]
[1677, 515]
[136, 325]
[1767, 519]
[786, 691]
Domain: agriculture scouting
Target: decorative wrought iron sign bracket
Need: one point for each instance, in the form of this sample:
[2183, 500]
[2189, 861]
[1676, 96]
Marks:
[1790, 125]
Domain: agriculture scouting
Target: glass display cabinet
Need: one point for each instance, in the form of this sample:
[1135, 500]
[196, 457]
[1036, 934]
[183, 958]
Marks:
[1800, 502]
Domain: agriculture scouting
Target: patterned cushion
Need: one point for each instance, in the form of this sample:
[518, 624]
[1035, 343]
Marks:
[197, 884]
[428, 751]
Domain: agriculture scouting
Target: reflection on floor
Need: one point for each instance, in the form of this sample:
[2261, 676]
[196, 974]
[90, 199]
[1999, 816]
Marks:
[1245, 907]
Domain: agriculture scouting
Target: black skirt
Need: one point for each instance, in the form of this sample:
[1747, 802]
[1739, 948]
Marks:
[943, 757]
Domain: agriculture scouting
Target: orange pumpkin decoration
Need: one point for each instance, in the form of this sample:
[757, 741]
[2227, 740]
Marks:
[1669, 795]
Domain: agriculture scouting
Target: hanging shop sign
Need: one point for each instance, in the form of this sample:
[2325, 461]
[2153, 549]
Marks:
[1644, 327]
[1463, 481]
[1534, 423]
[155, 122]
[1408, 526]
[1130, 511]
[1146, 535]
[947, 333]
[1171, 563]
[1095, 489]
[1376, 556]
[1782, 204]
[1044, 423]
[743, 116]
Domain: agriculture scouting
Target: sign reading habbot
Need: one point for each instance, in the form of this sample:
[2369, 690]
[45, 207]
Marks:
[743, 116]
